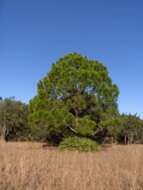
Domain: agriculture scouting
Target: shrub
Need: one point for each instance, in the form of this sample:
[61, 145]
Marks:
[77, 143]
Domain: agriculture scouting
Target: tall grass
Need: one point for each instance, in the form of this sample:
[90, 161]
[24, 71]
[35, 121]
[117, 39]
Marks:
[28, 166]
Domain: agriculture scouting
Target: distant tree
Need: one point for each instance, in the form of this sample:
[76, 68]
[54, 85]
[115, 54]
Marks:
[13, 118]
[74, 97]
[131, 129]
[125, 128]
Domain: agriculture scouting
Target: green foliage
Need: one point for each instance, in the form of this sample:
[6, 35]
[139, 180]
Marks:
[52, 124]
[74, 97]
[81, 144]
[112, 127]
[131, 129]
[124, 128]
[13, 119]
[85, 126]
[82, 84]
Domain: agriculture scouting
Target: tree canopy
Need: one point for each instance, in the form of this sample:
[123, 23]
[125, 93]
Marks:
[13, 118]
[73, 98]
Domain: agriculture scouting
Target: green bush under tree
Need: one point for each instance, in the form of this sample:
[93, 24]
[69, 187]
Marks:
[81, 144]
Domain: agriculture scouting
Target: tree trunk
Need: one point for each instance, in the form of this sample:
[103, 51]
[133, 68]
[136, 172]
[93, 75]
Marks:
[125, 139]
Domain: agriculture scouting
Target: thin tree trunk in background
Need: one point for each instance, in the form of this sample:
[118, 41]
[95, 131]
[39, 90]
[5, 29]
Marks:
[125, 139]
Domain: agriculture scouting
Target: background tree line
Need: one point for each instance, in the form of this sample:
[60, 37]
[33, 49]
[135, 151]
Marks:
[76, 107]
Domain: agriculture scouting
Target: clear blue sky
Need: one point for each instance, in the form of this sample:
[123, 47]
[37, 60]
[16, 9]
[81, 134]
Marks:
[35, 33]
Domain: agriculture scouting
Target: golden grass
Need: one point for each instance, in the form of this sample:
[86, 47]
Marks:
[28, 166]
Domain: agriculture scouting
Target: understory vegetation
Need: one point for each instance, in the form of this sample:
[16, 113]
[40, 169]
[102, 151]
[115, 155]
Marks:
[76, 107]
[81, 144]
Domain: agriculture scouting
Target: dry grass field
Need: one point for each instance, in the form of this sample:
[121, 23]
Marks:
[28, 166]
